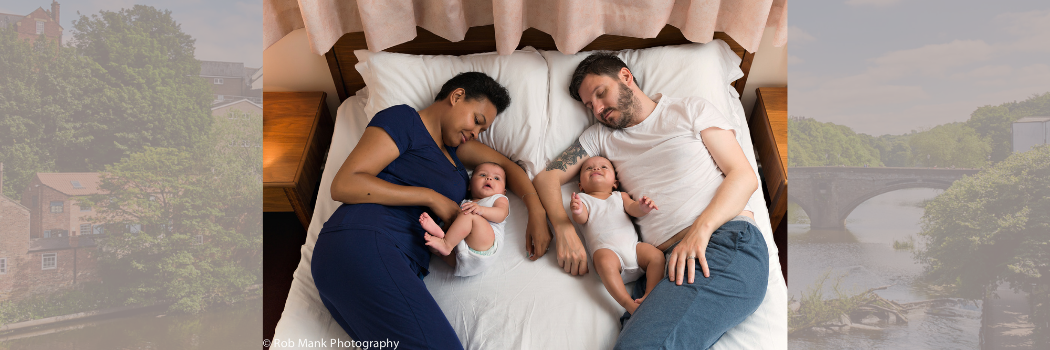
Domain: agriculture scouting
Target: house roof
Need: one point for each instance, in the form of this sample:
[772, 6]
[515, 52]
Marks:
[1032, 119]
[72, 184]
[7, 19]
[222, 69]
[227, 104]
[59, 243]
[16, 203]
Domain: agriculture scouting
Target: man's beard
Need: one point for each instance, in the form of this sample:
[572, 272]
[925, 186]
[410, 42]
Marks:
[626, 105]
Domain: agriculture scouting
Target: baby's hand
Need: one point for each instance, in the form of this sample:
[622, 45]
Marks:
[470, 208]
[577, 204]
[646, 204]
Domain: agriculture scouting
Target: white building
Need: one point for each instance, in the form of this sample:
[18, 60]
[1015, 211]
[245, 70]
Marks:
[1030, 132]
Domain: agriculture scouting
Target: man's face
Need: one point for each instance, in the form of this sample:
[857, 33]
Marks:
[609, 100]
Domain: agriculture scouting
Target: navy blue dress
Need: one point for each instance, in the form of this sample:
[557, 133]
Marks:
[369, 259]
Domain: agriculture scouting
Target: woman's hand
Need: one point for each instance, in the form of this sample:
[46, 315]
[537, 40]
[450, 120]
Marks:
[444, 208]
[684, 256]
[537, 235]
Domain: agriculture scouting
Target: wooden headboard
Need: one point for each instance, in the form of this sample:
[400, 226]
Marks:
[341, 58]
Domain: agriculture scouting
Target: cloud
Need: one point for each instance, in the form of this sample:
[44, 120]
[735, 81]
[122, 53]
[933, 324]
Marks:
[1031, 30]
[798, 36]
[877, 3]
[932, 60]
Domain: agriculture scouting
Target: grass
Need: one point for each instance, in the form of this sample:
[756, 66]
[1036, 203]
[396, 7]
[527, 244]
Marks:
[907, 244]
[815, 309]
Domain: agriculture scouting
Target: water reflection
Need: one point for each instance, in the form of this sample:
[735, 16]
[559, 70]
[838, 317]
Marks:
[864, 256]
[232, 327]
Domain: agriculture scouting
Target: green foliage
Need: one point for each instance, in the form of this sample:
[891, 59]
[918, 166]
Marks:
[815, 308]
[159, 201]
[44, 89]
[813, 143]
[949, 145]
[90, 296]
[894, 150]
[992, 228]
[128, 81]
[995, 123]
[151, 93]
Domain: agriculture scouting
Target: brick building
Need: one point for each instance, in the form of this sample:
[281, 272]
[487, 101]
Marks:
[38, 22]
[232, 81]
[56, 258]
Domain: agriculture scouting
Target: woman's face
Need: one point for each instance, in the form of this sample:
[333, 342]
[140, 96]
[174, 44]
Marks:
[466, 119]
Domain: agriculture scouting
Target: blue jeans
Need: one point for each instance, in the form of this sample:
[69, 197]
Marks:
[695, 316]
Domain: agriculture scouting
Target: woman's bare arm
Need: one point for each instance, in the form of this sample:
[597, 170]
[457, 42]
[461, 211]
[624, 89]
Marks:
[356, 180]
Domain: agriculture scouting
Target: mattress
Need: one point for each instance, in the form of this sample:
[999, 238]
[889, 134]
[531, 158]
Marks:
[518, 303]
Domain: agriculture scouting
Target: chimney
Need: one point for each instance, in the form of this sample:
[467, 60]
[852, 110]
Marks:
[54, 11]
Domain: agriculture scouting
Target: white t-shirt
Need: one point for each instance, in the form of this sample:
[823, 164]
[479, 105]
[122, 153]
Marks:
[663, 157]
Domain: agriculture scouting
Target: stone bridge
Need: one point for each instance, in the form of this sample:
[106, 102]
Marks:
[829, 194]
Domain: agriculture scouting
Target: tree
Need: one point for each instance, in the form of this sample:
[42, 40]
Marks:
[43, 90]
[996, 122]
[826, 144]
[894, 150]
[128, 81]
[181, 226]
[992, 228]
[949, 145]
[151, 93]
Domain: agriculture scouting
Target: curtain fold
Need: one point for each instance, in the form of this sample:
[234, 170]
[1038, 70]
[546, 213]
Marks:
[572, 23]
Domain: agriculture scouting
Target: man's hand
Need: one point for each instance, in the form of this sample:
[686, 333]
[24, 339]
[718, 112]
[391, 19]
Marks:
[681, 264]
[572, 257]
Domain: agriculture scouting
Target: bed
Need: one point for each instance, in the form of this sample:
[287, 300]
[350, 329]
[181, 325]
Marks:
[521, 304]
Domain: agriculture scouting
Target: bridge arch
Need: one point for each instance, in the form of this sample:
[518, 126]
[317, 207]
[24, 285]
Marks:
[830, 194]
[848, 209]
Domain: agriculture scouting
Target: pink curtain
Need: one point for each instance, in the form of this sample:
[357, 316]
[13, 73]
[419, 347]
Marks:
[572, 23]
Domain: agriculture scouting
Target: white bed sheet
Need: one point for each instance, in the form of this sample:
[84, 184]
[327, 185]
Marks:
[518, 304]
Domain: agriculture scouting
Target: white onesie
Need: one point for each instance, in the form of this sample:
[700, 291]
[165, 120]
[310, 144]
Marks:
[608, 226]
[470, 262]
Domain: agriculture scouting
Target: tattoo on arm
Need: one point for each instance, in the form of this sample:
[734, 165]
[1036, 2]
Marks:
[568, 158]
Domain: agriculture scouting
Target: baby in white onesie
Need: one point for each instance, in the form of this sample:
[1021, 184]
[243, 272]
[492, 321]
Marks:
[611, 240]
[477, 231]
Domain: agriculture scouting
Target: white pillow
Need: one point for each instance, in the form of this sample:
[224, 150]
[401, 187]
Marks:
[704, 70]
[415, 80]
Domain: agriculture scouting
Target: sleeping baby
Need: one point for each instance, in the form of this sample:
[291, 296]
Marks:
[616, 252]
[478, 229]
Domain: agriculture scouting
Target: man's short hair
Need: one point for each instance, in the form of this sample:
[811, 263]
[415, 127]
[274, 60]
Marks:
[600, 63]
[477, 86]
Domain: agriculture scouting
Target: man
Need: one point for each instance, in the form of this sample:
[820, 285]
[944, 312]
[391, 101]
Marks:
[682, 153]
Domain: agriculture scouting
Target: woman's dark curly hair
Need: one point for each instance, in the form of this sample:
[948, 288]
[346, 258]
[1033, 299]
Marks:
[477, 86]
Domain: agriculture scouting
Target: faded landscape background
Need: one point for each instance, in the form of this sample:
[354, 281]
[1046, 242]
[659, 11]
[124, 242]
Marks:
[919, 175]
[130, 164]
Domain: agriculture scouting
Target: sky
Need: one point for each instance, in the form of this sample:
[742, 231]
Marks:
[225, 30]
[893, 66]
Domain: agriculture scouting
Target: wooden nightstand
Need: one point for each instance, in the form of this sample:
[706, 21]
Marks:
[769, 134]
[297, 131]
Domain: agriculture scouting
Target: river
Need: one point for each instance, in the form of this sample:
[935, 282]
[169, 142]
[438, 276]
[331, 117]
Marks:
[230, 327]
[864, 256]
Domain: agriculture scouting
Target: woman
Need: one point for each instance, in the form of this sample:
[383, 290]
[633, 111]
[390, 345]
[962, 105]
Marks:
[370, 257]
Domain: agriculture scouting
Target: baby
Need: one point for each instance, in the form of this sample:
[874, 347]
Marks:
[618, 256]
[478, 229]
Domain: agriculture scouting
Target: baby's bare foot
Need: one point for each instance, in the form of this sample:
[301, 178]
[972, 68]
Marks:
[430, 226]
[438, 244]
